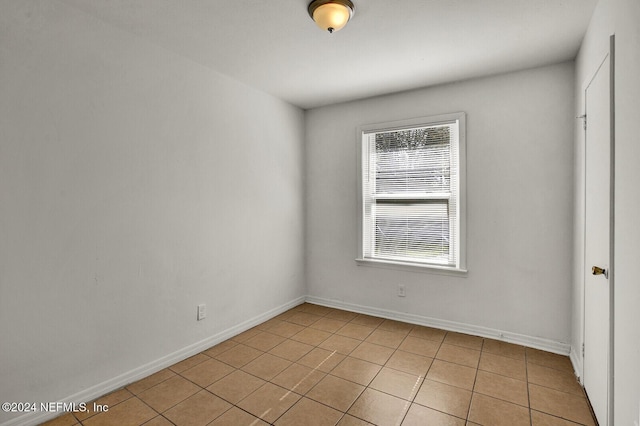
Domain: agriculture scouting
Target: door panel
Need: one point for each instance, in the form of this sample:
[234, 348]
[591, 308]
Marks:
[597, 356]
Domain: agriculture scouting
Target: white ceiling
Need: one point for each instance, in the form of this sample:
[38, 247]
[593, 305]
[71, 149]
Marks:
[389, 46]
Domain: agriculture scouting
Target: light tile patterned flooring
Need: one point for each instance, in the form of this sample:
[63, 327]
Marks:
[314, 365]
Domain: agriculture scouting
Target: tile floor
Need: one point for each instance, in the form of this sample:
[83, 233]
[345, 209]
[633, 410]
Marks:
[314, 365]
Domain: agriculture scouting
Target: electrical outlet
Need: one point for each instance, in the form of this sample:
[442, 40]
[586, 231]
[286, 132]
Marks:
[202, 312]
[401, 292]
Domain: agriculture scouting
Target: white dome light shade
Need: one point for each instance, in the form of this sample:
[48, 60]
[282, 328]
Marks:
[331, 15]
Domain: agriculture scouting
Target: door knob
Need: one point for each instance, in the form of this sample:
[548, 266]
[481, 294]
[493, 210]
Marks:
[595, 270]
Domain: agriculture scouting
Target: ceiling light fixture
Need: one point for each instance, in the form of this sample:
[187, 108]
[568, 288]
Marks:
[331, 15]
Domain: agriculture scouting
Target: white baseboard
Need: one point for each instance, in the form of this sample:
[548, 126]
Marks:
[506, 336]
[145, 370]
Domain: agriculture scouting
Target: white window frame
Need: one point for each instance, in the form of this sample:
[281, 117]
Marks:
[461, 268]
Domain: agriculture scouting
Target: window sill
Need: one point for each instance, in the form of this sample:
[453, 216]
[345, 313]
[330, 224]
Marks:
[413, 267]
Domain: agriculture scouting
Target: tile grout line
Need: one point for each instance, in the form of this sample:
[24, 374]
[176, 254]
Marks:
[473, 387]
[526, 376]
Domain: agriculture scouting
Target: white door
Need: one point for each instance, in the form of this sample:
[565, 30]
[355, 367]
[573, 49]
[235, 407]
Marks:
[598, 231]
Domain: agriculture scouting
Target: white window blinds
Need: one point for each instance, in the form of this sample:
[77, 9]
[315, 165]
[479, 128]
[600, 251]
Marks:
[410, 192]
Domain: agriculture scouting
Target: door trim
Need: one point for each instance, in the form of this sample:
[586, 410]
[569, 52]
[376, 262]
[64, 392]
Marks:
[612, 187]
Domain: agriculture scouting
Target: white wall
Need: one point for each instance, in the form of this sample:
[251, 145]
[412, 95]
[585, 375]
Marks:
[519, 198]
[619, 17]
[134, 185]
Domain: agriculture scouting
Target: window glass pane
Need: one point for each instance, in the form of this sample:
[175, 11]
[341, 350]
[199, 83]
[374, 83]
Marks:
[411, 231]
[413, 161]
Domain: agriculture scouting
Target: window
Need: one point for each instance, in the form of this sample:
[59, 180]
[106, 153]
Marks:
[412, 195]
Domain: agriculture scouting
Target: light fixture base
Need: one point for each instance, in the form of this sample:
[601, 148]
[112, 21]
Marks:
[332, 15]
